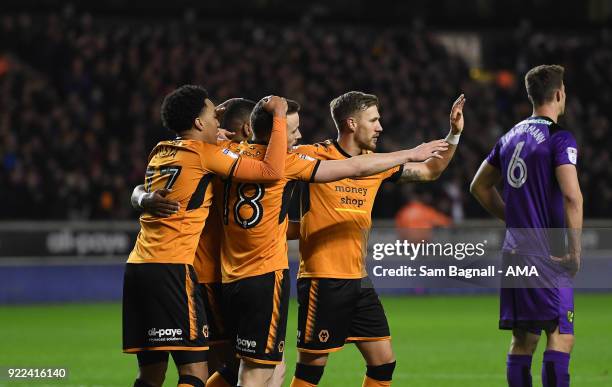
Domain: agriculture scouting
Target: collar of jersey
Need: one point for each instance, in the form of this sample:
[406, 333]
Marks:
[541, 117]
[339, 148]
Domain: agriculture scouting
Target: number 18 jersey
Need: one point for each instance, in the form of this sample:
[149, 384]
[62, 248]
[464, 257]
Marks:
[255, 218]
[527, 156]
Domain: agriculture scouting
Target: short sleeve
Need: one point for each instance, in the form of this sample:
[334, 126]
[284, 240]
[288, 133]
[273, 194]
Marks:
[218, 160]
[494, 157]
[564, 148]
[301, 167]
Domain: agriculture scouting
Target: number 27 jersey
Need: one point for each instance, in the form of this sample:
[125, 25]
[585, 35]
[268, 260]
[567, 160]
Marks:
[527, 156]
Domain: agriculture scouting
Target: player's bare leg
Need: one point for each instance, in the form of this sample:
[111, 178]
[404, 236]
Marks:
[518, 364]
[380, 362]
[555, 366]
[559, 341]
[309, 369]
[254, 374]
[151, 375]
[278, 376]
[193, 374]
[523, 342]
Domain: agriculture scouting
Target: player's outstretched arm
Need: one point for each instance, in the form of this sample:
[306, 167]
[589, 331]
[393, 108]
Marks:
[432, 168]
[373, 163]
[567, 177]
[483, 189]
[272, 167]
[155, 203]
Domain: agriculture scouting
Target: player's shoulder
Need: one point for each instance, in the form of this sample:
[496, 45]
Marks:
[558, 130]
[170, 148]
[561, 137]
[207, 151]
[317, 149]
[294, 156]
[229, 144]
[252, 150]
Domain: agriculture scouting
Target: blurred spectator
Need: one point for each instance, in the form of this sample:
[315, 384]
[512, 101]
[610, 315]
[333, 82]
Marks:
[80, 113]
[416, 220]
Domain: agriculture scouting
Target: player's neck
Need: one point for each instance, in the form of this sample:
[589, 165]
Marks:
[194, 134]
[546, 111]
[190, 135]
[349, 145]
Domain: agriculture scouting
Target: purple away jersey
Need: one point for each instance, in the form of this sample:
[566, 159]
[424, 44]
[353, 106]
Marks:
[527, 156]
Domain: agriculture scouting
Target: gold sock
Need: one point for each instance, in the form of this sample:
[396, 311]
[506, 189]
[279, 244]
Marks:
[369, 382]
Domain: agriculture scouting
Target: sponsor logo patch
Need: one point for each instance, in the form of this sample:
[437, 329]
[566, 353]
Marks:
[246, 345]
[230, 153]
[165, 334]
[305, 157]
[572, 155]
[570, 316]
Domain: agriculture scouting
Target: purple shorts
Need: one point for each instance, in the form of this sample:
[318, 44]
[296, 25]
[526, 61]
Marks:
[533, 303]
[536, 309]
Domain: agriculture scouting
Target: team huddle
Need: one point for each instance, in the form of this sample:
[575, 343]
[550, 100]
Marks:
[208, 279]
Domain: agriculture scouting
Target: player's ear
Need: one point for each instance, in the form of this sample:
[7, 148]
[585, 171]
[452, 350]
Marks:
[199, 125]
[246, 130]
[351, 124]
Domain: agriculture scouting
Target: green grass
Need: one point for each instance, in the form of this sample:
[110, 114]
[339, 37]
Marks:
[438, 341]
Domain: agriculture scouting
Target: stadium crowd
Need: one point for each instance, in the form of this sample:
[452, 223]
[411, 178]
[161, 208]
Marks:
[80, 99]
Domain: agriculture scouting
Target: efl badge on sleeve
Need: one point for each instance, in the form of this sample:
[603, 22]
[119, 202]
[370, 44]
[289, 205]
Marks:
[572, 155]
[230, 153]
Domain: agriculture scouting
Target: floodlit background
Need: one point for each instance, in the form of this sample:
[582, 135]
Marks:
[80, 91]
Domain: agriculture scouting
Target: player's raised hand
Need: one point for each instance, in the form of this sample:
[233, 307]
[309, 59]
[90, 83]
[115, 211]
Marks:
[155, 203]
[428, 149]
[275, 105]
[224, 134]
[456, 115]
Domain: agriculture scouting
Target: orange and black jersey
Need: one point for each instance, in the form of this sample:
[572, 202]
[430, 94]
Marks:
[336, 218]
[186, 167]
[207, 261]
[255, 218]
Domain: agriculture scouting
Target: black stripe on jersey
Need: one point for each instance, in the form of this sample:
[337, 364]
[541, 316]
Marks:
[226, 188]
[300, 201]
[286, 201]
[314, 171]
[396, 176]
[197, 198]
